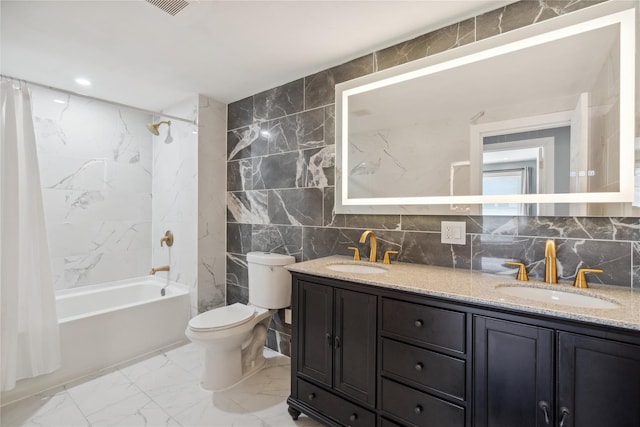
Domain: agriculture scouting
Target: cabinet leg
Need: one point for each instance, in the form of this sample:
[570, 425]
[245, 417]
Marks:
[294, 413]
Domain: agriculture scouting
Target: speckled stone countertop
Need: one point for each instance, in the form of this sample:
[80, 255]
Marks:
[482, 288]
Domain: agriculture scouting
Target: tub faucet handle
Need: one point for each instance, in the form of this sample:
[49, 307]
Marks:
[168, 239]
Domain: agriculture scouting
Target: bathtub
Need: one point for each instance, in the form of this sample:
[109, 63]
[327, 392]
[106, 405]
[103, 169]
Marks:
[108, 324]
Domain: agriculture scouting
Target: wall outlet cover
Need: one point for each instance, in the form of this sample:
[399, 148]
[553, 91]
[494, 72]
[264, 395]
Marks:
[453, 232]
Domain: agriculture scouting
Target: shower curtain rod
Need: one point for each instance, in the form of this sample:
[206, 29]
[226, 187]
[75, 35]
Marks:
[117, 104]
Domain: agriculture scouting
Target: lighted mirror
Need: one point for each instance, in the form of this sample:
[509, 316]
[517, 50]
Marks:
[538, 121]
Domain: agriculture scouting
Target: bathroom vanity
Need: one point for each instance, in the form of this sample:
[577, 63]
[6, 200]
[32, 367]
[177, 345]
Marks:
[415, 345]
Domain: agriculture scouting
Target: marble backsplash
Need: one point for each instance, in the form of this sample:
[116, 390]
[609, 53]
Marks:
[95, 169]
[280, 184]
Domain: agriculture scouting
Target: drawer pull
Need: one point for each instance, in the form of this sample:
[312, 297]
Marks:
[311, 396]
[418, 323]
[418, 409]
[419, 366]
[353, 417]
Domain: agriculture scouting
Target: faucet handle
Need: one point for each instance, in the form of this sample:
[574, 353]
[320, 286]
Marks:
[581, 280]
[356, 253]
[386, 259]
[522, 270]
[168, 239]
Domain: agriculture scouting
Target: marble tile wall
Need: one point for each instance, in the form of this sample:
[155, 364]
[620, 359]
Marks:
[175, 198]
[95, 167]
[212, 116]
[280, 185]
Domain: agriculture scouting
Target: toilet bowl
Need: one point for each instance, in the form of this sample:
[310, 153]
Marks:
[233, 337]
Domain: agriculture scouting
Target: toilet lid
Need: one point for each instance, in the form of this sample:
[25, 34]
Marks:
[222, 318]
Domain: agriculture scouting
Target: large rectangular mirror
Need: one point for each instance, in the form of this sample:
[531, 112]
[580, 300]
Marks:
[538, 121]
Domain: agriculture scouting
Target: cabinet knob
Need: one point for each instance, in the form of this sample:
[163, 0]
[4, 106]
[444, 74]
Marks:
[419, 366]
[564, 414]
[418, 409]
[353, 417]
[418, 323]
[311, 396]
[545, 409]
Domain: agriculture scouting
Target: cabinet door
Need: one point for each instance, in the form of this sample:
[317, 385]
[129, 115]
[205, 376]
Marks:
[598, 382]
[315, 338]
[355, 344]
[513, 374]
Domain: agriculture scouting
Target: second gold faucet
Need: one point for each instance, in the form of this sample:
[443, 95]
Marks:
[373, 254]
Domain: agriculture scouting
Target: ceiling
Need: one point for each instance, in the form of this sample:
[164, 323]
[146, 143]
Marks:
[136, 54]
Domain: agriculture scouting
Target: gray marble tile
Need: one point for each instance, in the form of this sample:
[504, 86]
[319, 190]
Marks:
[279, 101]
[278, 239]
[239, 238]
[428, 44]
[489, 252]
[320, 87]
[373, 222]
[279, 342]
[237, 294]
[330, 124]
[319, 242]
[278, 323]
[240, 113]
[277, 171]
[246, 142]
[295, 132]
[636, 265]
[302, 206]
[539, 226]
[237, 272]
[318, 167]
[240, 175]
[425, 248]
[433, 222]
[329, 217]
[249, 207]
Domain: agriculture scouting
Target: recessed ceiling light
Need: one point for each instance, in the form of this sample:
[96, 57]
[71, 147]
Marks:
[59, 101]
[83, 82]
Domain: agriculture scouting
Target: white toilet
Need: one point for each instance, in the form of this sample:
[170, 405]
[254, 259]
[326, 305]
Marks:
[233, 337]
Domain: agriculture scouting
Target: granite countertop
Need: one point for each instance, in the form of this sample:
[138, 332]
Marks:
[482, 288]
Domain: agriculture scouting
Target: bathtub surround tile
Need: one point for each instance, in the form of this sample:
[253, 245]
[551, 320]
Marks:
[97, 196]
[211, 205]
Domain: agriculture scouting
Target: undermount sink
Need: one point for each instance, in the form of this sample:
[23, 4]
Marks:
[556, 297]
[356, 268]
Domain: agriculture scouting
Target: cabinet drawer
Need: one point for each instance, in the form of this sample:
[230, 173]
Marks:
[420, 409]
[442, 373]
[428, 325]
[333, 406]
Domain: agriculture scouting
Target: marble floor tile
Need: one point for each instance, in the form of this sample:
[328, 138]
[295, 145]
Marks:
[162, 391]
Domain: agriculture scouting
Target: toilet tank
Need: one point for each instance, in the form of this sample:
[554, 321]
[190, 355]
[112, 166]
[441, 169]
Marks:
[269, 282]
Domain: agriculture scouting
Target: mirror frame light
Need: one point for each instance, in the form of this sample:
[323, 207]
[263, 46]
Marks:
[592, 18]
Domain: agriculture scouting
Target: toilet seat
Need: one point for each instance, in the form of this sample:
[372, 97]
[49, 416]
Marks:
[222, 318]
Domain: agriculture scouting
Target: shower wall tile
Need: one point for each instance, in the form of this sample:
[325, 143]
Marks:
[175, 198]
[211, 203]
[95, 165]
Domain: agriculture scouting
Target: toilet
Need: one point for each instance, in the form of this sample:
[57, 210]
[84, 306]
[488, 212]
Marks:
[233, 337]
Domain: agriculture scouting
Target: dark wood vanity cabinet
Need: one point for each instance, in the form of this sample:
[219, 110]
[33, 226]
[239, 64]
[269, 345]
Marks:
[335, 353]
[371, 356]
[536, 376]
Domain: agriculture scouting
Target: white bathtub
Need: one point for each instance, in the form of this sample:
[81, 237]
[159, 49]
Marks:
[107, 324]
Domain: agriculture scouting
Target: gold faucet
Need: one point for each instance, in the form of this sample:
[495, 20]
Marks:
[163, 268]
[581, 280]
[168, 239]
[550, 271]
[373, 255]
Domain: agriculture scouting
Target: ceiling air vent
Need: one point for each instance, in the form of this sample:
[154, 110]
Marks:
[172, 7]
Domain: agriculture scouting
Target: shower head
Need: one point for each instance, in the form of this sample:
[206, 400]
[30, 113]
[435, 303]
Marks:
[153, 127]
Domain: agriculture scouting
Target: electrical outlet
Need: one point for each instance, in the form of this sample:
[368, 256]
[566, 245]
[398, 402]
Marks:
[287, 316]
[453, 232]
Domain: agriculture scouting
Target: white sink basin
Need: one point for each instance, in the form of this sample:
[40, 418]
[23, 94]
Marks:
[356, 268]
[556, 297]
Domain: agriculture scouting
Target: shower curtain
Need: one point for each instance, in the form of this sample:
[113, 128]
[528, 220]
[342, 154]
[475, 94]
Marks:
[29, 340]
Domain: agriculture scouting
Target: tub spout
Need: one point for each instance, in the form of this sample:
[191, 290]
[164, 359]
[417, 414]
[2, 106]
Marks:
[163, 268]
